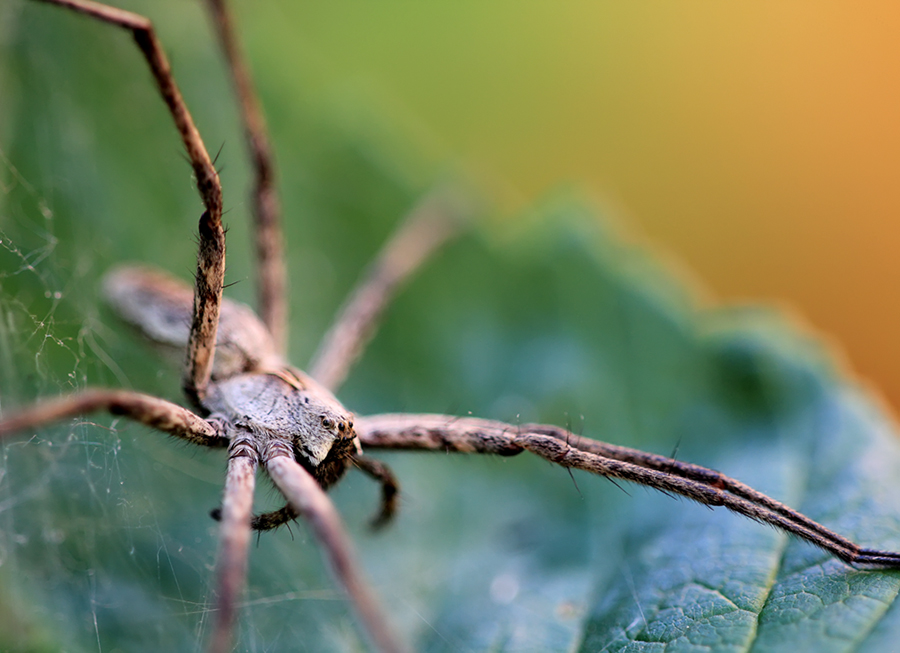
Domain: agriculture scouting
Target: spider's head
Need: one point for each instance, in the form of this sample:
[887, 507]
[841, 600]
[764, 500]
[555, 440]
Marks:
[326, 430]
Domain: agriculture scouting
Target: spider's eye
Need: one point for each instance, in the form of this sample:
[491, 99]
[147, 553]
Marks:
[327, 423]
[341, 426]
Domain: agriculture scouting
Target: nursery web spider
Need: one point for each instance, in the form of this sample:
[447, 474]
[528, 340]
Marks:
[246, 397]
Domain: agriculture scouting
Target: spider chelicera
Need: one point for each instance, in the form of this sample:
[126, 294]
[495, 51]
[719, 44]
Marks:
[246, 397]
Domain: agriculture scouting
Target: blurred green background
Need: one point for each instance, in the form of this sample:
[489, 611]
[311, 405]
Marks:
[757, 145]
[581, 123]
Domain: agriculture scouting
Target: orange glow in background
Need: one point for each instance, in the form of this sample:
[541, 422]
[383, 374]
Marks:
[758, 144]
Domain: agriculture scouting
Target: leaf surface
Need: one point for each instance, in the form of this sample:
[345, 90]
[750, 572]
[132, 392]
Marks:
[105, 540]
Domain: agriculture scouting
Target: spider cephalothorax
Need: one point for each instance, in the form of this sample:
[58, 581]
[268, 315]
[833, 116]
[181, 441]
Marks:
[287, 413]
[279, 410]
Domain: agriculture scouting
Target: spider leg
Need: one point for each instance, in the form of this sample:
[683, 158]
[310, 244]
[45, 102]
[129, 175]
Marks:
[231, 566]
[434, 221]
[468, 435]
[389, 488]
[271, 275]
[695, 473]
[306, 496]
[211, 255]
[157, 413]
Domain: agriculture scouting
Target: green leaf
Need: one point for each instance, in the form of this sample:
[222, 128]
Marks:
[105, 541]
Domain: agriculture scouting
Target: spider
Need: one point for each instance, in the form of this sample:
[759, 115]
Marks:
[245, 396]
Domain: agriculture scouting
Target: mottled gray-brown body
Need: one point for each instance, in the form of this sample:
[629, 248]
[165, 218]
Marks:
[256, 400]
[286, 409]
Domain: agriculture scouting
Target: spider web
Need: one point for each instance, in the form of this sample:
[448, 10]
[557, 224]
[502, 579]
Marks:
[80, 529]
[105, 536]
